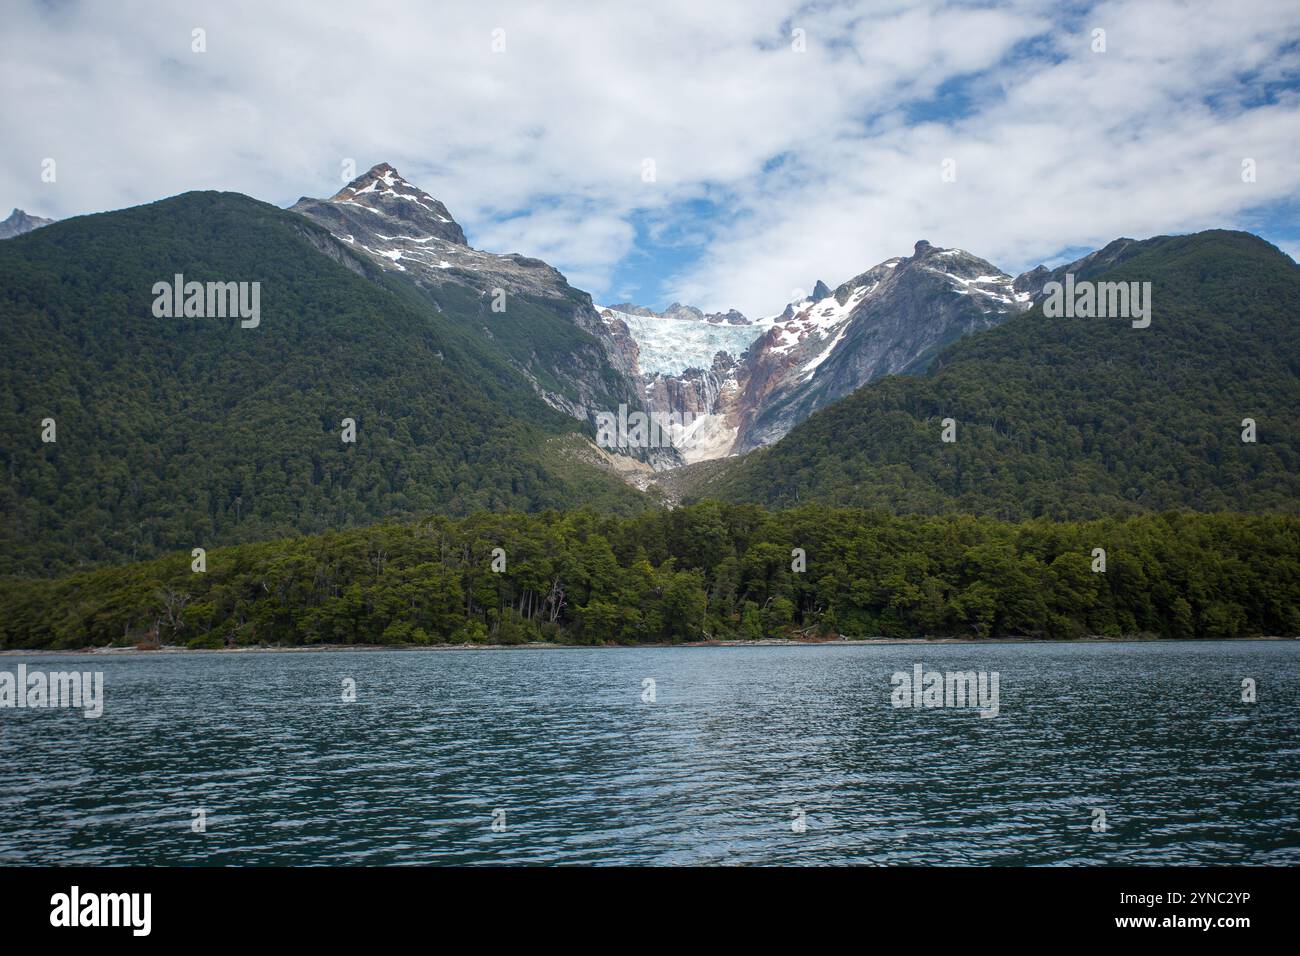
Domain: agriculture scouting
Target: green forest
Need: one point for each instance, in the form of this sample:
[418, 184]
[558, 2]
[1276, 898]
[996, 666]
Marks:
[704, 572]
[175, 431]
[1074, 437]
[1077, 418]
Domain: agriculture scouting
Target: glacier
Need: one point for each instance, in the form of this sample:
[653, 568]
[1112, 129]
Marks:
[669, 346]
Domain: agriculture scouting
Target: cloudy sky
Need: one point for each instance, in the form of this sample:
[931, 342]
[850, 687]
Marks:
[789, 142]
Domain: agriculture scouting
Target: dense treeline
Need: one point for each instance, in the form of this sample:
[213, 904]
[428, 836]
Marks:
[177, 431]
[1077, 417]
[707, 571]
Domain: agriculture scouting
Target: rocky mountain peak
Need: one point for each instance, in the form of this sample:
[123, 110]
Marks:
[381, 189]
[1032, 281]
[686, 313]
[20, 222]
[890, 319]
[405, 229]
[964, 272]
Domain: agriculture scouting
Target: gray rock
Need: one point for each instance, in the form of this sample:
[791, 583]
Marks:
[20, 222]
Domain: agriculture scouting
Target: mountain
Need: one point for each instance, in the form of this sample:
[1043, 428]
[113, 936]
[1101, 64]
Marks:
[547, 330]
[1091, 266]
[1077, 417]
[891, 319]
[745, 383]
[20, 222]
[174, 433]
[686, 313]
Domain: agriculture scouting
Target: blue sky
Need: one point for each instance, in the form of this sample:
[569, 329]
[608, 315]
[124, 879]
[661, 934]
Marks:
[790, 141]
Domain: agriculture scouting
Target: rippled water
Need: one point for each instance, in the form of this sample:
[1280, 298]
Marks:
[711, 772]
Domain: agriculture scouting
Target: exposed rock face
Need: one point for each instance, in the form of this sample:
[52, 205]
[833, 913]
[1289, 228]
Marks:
[693, 393]
[624, 350]
[892, 318]
[20, 222]
[688, 363]
[404, 229]
[704, 401]
[1032, 282]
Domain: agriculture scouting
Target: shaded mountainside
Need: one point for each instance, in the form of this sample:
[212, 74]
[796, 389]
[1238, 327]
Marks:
[705, 572]
[548, 331]
[181, 432]
[1078, 417]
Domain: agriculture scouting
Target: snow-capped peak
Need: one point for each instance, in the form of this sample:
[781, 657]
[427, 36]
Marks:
[969, 275]
[381, 189]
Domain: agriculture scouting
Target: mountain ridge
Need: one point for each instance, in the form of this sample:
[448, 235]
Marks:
[184, 432]
[892, 318]
[1070, 418]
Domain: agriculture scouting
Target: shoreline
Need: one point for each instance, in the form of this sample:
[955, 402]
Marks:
[168, 650]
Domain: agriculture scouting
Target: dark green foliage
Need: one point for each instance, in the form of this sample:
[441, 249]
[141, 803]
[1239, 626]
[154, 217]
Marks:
[536, 334]
[707, 571]
[1077, 417]
[184, 432]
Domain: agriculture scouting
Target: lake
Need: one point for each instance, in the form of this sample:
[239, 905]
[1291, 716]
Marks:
[1100, 753]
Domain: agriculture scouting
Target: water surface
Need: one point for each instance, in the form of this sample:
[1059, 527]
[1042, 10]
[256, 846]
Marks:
[713, 771]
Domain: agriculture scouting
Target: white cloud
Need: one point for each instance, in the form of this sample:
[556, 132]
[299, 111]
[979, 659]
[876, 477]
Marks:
[539, 149]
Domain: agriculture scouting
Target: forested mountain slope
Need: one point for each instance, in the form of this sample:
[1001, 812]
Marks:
[525, 310]
[173, 433]
[1077, 417]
